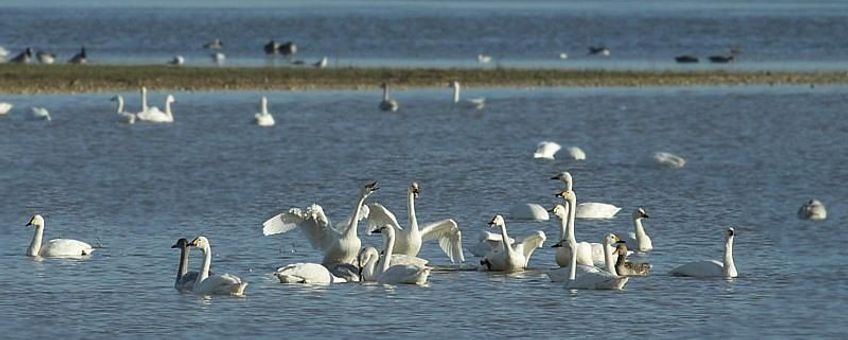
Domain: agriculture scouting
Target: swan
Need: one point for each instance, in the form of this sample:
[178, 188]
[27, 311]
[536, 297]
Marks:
[409, 240]
[79, 58]
[271, 48]
[588, 210]
[563, 56]
[263, 118]
[487, 242]
[41, 113]
[712, 268]
[639, 237]
[669, 160]
[129, 117]
[339, 246]
[813, 210]
[5, 108]
[218, 58]
[546, 150]
[306, 273]
[207, 284]
[185, 279]
[57, 247]
[216, 44]
[388, 104]
[587, 253]
[484, 59]
[369, 273]
[600, 280]
[576, 153]
[153, 114]
[24, 57]
[512, 257]
[45, 57]
[389, 273]
[321, 63]
[600, 50]
[177, 60]
[624, 268]
[477, 103]
[528, 212]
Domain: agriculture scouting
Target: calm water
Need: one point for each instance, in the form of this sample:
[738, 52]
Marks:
[755, 154]
[645, 35]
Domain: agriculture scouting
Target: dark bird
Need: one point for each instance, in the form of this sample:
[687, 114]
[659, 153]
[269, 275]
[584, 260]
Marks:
[79, 58]
[686, 59]
[24, 57]
[599, 50]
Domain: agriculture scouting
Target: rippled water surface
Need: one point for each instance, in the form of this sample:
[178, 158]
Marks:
[754, 155]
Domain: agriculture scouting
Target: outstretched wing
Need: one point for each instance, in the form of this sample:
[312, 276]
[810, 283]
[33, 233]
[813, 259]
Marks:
[449, 236]
[379, 216]
[529, 244]
[312, 222]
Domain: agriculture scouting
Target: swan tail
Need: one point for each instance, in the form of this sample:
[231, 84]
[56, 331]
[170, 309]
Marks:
[238, 289]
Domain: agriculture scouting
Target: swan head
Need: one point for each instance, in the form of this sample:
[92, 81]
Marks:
[170, 99]
[620, 248]
[564, 176]
[117, 98]
[730, 232]
[640, 214]
[567, 195]
[200, 242]
[181, 244]
[143, 89]
[611, 239]
[559, 210]
[454, 84]
[36, 221]
[384, 86]
[498, 220]
[413, 189]
[368, 188]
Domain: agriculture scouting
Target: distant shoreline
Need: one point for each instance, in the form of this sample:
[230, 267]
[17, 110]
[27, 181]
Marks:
[57, 79]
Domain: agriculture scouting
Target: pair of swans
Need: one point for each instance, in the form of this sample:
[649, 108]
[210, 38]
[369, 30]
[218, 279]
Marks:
[513, 256]
[263, 118]
[548, 150]
[813, 210]
[476, 103]
[185, 279]
[388, 104]
[410, 239]
[388, 269]
[712, 268]
[59, 248]
[153, 114]
[591, 277]
[587, 210]
[205, 283]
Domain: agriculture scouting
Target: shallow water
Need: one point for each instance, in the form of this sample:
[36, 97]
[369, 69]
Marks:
[754, 155]
[644, 35]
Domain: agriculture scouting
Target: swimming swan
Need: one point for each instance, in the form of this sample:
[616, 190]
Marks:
[409, 240]
[263, 118]
[128, 117]
[669, 160]
[339, 246]
[5, 108]
[588, 210]
[153, 114]
[600, 280]
[388, 273]
[41, 113]
[624, 268]
[64, 248]
[185, 279]
[306, 273]
[639, 237]
[512, 257]
[207, 284]
[528, 212]
[813, 210]
[576, 153]
[477, 103]
[546, 150]
[712, 268]
[388, 104]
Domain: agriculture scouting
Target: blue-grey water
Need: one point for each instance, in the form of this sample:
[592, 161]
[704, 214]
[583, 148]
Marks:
[754, 155]
[642, 35]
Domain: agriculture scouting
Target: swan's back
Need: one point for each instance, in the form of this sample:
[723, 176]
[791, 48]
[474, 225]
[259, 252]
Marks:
[226, 284]
[546, 150]
[488, 242]
[528, 212]
[65, 248]
[707, 268]
[408, 274]
[576, 153]
[594, 210]
[562, 274]
[264, 119]
[600, 280]
[305, 273]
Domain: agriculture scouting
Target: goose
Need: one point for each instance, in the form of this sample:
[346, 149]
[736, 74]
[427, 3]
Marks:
[177, 60]
[528, 212]
[79, 58]
[185, 279]
[306, 273]
[588, 210]
[5, 108]
[208, 284]
[512, 257]
[722, 59]
[24, 57]
[153, 114]
[813, 210]
[287, 49]
[129, 117]
[388, 104]
[624, 268]
[546, 150]
[321, 63]
[639, 237]
[576, 153]
[389, 273]
[61, 248]
[263, 118]
[218, 58]
[669, 160]
[45, 57]
[477, 103]
[488, 242]
[712, 268]
[216, 44]
[40, 113]
[484, 59]
[599, 280]
[271, 48]
[339, 246]
[599, 50]
[410, 239]
[686, 59]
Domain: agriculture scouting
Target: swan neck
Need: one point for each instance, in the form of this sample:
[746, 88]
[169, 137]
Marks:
[120, 104]
[572, 208]
[639, 229]
[456, 93]
[370, 265]
[386, 93]
[507, 246]
[264, 106]
[729, 266]
[387, 252]
[354, 221]
[168, 108]
[572, 273]
[143, 99]
[563, 226]
[35, 245]
[207, 262]
[182, 269]
[413, 220]
[608, 258]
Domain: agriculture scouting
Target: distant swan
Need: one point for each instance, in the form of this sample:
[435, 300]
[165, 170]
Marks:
[40, 113]
[588, 210]
[484, 59]
[177, 60]
[625, 268]
[306, 273]
[263, 118]
[576, 153]
[389, 273]
[388, 104]
[24, 57]
[639, 238]
[5, 108]
[669, 160]
[812, 210]
[185, 279]
[528, 212]
[338, 246]
[153, 114]
[599, 50]
[128, 117]
[477, 103]
[546, 150]
[512, 257]
[712, 268]
[206, 284]
[45, 57]
[64, 248]
[218, 58]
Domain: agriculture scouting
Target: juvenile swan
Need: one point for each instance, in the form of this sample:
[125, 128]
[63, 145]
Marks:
[56, 247]
[207, 284]
[639, 237]
[625, 268]
[388, 104]
[185, 279]
[512, 257]
[813, 210]
[263, 118]
[712, 268]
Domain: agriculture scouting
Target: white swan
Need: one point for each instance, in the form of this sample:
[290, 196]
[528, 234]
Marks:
[389, 273]
[57, 247]
[263, 118]
[177, 60]
[306, 273]
[369, 273]
[388, 104]
[40, 113]
[477, 103]
[486, 243]
[712, 268]
[586, 252]
[601, 280]
[576, 153]
[185, 279]
[588, 210]
[409, 240]
[669, 160]
[528, 212]
[484, 59]
[153, 114]
[624, 268]
[512, 257]
[639, 237]
[339, 246]
[218, 58]
[546, 150]
[813, 210]
[128, 117]
[24, 57]
[206, 284]
[5, 108]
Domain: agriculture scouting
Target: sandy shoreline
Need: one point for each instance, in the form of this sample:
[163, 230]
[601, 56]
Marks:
[44, 79]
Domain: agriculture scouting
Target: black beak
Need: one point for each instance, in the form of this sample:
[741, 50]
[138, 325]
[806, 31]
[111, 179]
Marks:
[28, 224]
[620, 242]
[551, 210]
[377, 231]
[555, 177]
[645, 215]
[557, 245]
